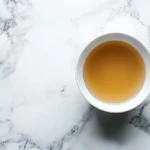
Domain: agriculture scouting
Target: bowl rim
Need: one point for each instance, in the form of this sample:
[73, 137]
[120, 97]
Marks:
[114, 107]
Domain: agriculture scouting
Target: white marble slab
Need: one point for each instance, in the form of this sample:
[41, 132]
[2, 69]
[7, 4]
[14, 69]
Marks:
[41, 107]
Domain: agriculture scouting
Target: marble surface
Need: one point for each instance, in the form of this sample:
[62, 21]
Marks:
[41, 107]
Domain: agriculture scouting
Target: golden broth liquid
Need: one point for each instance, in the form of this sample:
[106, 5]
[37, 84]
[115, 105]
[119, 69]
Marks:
[114, 71]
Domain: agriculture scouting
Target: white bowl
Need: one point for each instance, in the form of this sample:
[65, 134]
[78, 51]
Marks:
[114, 107]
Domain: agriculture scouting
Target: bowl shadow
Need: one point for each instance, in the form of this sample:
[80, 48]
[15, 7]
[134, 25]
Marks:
[111, 125]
